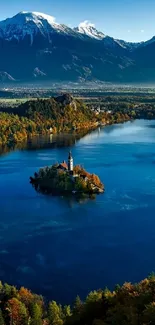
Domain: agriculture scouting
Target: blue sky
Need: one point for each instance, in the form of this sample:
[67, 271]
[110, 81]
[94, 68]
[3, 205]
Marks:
[131, 20]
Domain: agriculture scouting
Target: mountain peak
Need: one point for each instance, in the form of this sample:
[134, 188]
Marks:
[87, 28]
[27, 23]
[25, 17]
[37, 15]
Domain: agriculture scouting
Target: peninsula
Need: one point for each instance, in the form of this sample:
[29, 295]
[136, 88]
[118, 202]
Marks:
[54, 115]
[65, 178]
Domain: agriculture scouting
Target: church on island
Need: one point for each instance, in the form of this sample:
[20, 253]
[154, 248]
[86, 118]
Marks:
[67, 167]
[66, 178]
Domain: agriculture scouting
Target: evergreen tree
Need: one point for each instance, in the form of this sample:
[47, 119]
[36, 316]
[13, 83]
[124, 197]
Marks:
[78, 305]
[36, 314]
[67, 311]
[55, 314]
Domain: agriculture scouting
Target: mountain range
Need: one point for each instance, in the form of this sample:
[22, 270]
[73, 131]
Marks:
[33, 46]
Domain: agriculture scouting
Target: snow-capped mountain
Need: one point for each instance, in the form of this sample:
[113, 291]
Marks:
[30, 24]
[86, 28]
[34, 46]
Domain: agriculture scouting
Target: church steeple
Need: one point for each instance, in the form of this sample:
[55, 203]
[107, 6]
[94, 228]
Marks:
[70, 162]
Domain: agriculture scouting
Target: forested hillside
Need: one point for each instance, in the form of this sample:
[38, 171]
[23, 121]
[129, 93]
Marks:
[54, 115]
[130, 304]
[44, 116]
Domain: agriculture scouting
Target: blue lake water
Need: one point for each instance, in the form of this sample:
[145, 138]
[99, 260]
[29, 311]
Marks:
[61, 248]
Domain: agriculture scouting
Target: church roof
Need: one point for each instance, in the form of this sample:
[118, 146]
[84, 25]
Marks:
[63, 165]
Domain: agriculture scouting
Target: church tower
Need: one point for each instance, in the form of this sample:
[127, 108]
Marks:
[70, 162]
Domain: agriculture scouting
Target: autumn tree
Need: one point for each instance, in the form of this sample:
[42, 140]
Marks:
[25, 296]
[17, 312]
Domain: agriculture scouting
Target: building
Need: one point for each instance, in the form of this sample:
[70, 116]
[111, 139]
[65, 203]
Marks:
[63, 166]
[67, 167]
[70, 162]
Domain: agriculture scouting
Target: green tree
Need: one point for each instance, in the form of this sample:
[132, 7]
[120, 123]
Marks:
[9, 291]
[149, 314]
[78, 305]
[36, 314]
[55, 314]
[67, 311]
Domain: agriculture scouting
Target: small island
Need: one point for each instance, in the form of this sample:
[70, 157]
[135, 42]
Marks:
[66, 179]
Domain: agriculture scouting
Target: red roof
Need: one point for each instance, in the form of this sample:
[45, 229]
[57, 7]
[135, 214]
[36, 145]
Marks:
[63, 165]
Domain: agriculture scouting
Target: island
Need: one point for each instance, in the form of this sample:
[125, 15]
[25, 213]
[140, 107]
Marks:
[66, 179]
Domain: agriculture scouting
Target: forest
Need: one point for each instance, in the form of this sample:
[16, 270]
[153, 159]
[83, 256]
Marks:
[140, 107]
[129, 304]
[53, 115]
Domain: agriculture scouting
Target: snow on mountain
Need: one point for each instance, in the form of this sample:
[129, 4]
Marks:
[89, 29]
[4, 76]
[129, 45]
[29, 24]
[38, 73]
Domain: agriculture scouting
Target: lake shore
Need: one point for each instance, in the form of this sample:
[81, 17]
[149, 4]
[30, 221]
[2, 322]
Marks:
[52, 116]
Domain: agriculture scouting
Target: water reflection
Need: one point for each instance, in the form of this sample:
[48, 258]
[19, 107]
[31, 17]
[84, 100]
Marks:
[46, 142]
[69, 199]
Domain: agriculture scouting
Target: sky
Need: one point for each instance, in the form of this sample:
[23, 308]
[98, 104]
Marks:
[130, 20]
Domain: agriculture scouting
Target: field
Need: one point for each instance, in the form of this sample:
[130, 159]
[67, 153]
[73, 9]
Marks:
[13, 102]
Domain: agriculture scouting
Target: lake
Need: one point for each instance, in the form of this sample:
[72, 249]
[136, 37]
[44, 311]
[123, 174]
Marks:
[59, 247]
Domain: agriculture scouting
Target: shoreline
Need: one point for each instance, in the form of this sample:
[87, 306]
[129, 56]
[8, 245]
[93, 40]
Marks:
[66, 179]
[71, 132]
[38, 187]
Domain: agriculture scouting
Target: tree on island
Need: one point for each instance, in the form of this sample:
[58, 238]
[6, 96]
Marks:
[54, 179]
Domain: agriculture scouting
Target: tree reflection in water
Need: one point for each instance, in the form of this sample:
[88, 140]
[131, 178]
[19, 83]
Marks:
[45, 142]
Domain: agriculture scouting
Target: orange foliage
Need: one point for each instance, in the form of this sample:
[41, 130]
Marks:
[17, 311]
[95, 179]
[25, 296]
